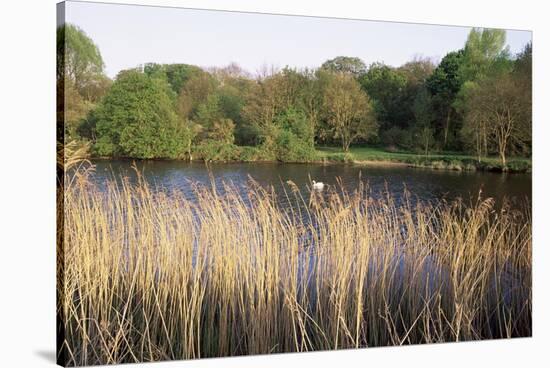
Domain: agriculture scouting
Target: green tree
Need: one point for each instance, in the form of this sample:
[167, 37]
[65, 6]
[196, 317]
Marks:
[78, 58]
[345, 64]
[175, 74]
[264, 102]
[194, 93]
[523, 72]
[385, 85]
[444, 85]
[348, 110]
[80, 78]
[424, 115]
[291, 141]
[136, 118]
[484, 48]
[415, 72]
[234, 85]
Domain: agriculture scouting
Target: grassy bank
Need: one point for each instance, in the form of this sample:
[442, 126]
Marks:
[358, 155]
[447, 161]
[149, 275]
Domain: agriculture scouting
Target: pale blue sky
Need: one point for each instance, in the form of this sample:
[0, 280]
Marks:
[129, 35]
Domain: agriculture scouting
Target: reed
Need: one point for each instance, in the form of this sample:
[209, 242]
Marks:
[151, 275]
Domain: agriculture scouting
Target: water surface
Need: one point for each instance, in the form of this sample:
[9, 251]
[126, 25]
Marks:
[424, 184]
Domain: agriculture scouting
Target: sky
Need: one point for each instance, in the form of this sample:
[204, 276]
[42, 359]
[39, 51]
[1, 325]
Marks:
[130, 35]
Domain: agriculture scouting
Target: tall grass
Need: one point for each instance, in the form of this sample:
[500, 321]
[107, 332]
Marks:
[151, 275]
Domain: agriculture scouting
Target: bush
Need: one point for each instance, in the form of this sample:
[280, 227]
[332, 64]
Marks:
[345, 157]
[290, 148]
[396, 137]
[290, 139]
[249, 154]
[210, 150]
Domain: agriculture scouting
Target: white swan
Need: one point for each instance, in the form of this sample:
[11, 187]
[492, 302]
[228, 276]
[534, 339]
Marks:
[318, 186]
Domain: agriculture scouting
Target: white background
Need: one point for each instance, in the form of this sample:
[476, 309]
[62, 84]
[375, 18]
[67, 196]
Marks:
[27, 181]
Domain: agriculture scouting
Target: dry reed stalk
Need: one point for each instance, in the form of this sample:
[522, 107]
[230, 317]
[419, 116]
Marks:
[151, 275]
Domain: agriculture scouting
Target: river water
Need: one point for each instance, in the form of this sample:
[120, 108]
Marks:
[423, 184]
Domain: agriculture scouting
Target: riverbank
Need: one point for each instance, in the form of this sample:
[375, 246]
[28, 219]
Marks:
[447, 161]
[373, 156]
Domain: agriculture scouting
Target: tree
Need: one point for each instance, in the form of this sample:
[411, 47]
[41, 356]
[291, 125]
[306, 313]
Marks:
[348, 109]
[523, 65]
[175, 74]
[444, 85]
[80, 78]
[78, 57]
[264, 102]
[524, 77]
[209, 111]
[483, 49]
[345, 64]
[292, 137]
[385, 86]
[415, 72]
[424, 116]
[195, 92]
[137, 118]
[497, 104]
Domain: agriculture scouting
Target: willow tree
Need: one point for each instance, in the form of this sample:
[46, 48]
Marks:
[348, 109]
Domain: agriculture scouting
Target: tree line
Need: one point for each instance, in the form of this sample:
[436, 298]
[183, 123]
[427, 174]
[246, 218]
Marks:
[476, 100]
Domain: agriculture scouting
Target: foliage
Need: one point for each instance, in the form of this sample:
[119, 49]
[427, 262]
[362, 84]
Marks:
[80, 79]
[396, 137]
[195, 93]
[384, 84]
[496, 109]
[176, 74]
[424, 115]
[290, 139]
[484, 48]
[78, 58]
[136, 119]
[281, 114]
[345, 64]
[444, 85]
[348, 110]
[447, 161]
[212, 150]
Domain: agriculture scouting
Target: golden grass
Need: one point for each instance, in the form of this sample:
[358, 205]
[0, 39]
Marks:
[150, 275]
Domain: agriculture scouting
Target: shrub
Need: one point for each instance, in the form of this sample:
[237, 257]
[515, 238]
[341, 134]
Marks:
[396, 137]
[211, 150]
[249, 154]
[290, 148]
[290, 139]
[342, 157]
